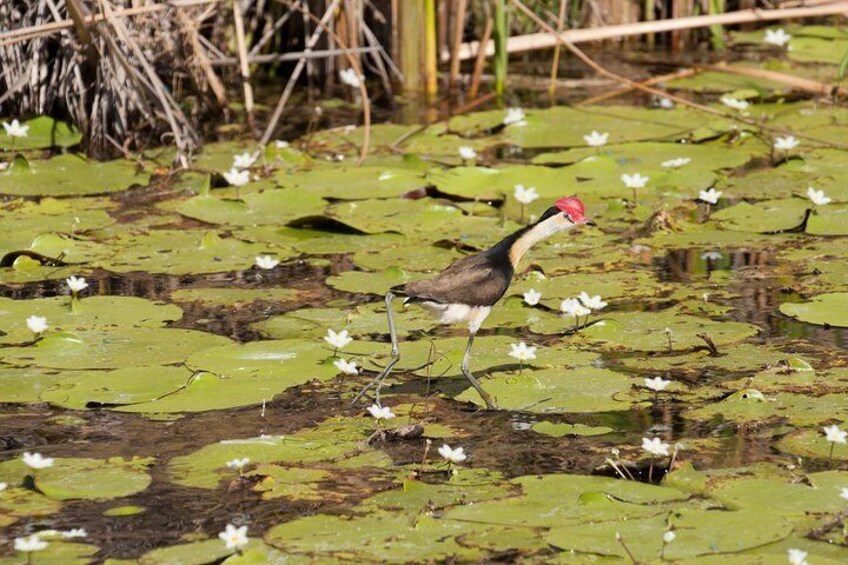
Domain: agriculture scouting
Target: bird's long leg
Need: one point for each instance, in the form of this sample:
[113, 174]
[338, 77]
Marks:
[483, 394]
[378, 381]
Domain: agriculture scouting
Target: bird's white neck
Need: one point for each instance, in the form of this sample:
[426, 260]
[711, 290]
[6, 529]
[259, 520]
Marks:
[534, 235]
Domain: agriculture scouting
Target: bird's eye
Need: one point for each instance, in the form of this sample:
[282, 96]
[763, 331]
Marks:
[567, 216]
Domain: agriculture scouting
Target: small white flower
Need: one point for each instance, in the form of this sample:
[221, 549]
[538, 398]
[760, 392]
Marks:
[76, 284]
[244, 160]
[525, 195]
[669, 536]
[634, 181]
[346, 367]
[843, 493]
[596, 139]
[234, 538]
[665, 103]
[467, 153]
[453, 455]
[734, 103]
[786, 143]
[351, 78]
[592, 302]
[777, 37]
[338, 340]
[655, 446]
[676, 163]
[657, 384]
[711, 256]
[532, 297]
[36, 461]
[710, 196]
[797, 557]
[3, 486]
[36, 324]
[834, 434]
[514, 116]
[281, 144]
[238, 464]
[16, 129]
[380, 412]
[818, 197]
[74, 533]
[30, 543]
[235, 177]
[573, 307]
[522, 352]
[266, 262]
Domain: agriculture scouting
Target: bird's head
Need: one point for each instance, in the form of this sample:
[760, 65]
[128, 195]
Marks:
[565, 213]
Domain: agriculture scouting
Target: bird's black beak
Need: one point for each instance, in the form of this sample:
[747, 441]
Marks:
[590, 223]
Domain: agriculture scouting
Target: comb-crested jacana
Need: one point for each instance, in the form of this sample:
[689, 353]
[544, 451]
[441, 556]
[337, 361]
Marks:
[468, 288]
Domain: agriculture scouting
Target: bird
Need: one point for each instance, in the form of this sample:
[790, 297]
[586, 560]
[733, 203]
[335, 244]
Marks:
[467, 289]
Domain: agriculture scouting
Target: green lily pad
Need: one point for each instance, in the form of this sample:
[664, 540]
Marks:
[76, 478]
[751, 406]
[236, 296]
[584, 389]
[354, 183]
[195, 553]
[371, 283]
[764, 217]
[824, 309]
[44, 132]
[116, 349]
[561, 430]
[645, 331]
[61, 176]
[269, 207]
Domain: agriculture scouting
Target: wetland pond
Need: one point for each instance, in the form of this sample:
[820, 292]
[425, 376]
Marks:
[182, 356]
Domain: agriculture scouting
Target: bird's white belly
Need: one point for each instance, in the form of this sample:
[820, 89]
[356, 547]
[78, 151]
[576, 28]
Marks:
[454, 313]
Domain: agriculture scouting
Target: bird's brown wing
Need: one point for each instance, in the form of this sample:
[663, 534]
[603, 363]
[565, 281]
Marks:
[472, 280]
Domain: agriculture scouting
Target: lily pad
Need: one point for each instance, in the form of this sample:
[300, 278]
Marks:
[354, 183]
[44, 132]
[61, 175]
[269, 207]
[824, 309]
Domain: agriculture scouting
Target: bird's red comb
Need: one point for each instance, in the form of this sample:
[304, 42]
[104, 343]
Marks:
[573, 206]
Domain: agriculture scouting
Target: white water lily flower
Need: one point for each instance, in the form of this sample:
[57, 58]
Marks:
[3, 486]
[777, 37]
[76, 284]
[16, 129]
[238, 464]
[30, 544]
[844, 493]
[734, 103]
[236, 177]
[669, 536]
[797, 557]
[596, 139]
[818, 197]
[525, 195]
[711, 256]
[655, 446]
[37, 461]
[710, 196]
[573, 307]
[676, 163]
[266, 262]
[350, 77]
[532, 297]
[281, 144]
[634, 181]
[346, 367]
[338, 340]
[234, 538]
[514, 116]
[74, 533]
[453, 455]
[244, 160]
[786, 143]
[591, 302]
[665, 103]
[834, 434]
[467, 153]
[522, 352]
[657, 384]
[380, 412]
[36, 324]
